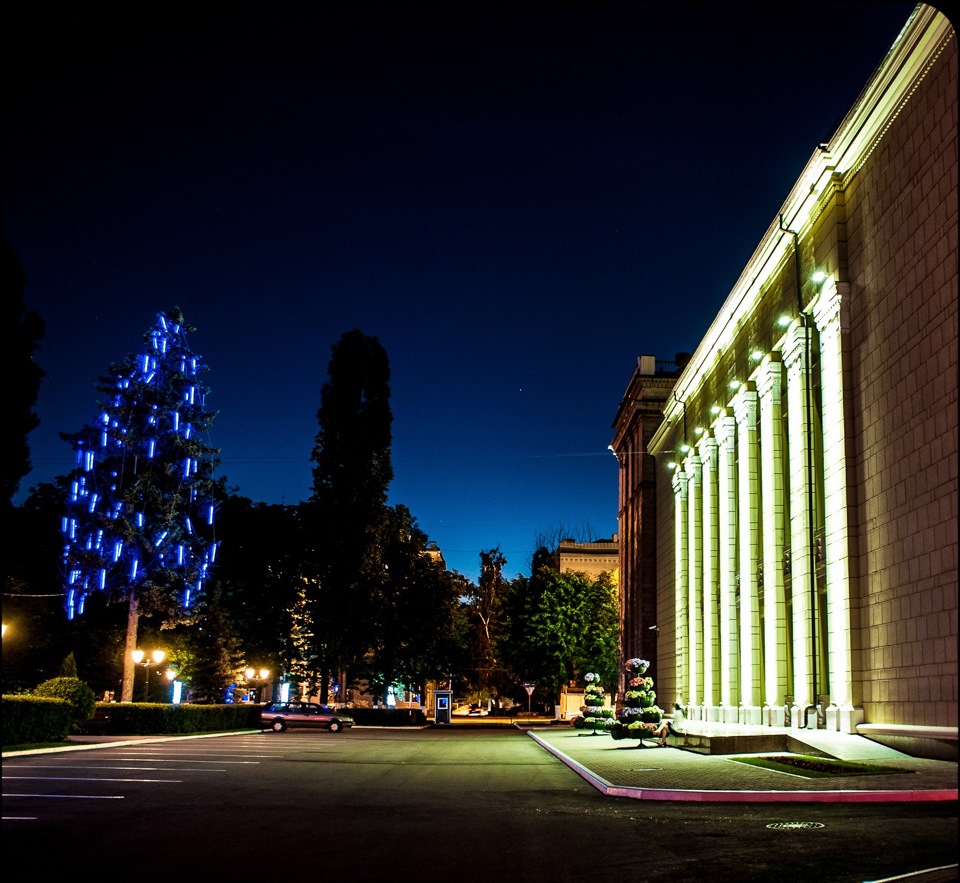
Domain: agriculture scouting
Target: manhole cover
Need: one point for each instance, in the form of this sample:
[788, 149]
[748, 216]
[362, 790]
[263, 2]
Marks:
[794, 826]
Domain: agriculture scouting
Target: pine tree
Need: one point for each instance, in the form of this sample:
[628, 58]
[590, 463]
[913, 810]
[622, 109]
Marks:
[139, 506]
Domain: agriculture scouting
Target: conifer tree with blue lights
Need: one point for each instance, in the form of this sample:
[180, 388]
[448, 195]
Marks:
[139, 513]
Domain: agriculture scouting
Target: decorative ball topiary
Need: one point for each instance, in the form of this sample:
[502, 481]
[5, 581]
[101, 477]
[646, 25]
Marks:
[594, 714]
[81, 698]
[640, 715]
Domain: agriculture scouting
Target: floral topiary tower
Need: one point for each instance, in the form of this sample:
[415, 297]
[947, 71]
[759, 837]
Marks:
[595, 716]
[640, 714]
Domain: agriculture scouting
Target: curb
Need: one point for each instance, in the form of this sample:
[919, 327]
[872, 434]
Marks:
[691, 796]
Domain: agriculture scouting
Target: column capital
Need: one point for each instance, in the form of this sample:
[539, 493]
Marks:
[796, 345]
[833, 306]
[770, 375]
[745, 404]
[707, 447]
[680, 479]
[725, 427]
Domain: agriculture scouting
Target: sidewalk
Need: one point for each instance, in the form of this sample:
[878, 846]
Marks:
[625, 769]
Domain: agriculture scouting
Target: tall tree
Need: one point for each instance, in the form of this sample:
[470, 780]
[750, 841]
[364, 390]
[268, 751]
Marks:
[345, 516]
[20, 333]
[139, 507]
[417, 631]
[208, 655]
[257, 578]
[562, 625]
[38, 638]
[485, 601]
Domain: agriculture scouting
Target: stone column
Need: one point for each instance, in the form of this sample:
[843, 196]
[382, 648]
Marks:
[748, 521]
[711, 586]
[797, 360]
[773, 482]
[681, 583]
[725, 430]
[833, 325]
[695, 580]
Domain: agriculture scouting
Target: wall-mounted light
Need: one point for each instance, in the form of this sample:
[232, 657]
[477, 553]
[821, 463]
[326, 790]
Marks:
[818, 277]
[784, 321]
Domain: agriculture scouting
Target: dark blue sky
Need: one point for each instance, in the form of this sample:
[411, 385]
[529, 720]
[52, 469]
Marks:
[517, 199]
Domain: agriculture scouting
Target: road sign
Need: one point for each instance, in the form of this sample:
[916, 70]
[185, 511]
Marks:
[529, 688]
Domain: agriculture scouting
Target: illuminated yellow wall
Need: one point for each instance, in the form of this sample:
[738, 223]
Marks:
[868, 610]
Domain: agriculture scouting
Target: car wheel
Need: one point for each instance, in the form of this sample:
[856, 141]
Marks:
[278, 726]
[335, 726]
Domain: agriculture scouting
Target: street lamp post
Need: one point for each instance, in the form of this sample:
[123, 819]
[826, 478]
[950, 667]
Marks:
[251, 674]
[141, 658]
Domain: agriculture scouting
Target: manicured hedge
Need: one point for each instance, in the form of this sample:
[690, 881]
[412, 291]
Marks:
[32, 719]
[386, 717]
[157, 719]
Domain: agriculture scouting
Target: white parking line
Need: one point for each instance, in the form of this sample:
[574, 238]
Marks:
[69, 796]
[87, 779]
[188, 760]
[139, 769]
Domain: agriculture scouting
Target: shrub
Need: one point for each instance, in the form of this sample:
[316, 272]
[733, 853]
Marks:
[31, 719]
[81, 698]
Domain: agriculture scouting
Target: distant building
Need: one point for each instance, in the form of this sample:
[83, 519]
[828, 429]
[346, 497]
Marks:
[601, 556]
[638, 418]
[805, 472]
[433, 551]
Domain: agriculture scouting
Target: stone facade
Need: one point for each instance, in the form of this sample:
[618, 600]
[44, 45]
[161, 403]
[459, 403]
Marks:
[805, 469]
[639, 416]
[600, 556]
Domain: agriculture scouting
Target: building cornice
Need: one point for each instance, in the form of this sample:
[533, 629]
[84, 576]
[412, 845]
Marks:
[915, 50]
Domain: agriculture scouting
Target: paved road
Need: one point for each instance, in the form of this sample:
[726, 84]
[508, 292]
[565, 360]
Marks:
[421, 805]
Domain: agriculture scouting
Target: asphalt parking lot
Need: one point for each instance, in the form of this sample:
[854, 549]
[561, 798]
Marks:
[428, 805]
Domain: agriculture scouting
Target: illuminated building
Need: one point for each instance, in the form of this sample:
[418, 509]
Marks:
[805, 469]
[638, 418]
[599, 556]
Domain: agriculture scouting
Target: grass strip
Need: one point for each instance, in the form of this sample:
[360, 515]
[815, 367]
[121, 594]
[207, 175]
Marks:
[811, 767]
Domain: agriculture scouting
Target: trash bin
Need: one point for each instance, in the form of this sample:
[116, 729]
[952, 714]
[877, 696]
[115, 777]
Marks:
[442, 706]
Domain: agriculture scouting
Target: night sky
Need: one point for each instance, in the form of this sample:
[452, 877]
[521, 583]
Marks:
[517, 199]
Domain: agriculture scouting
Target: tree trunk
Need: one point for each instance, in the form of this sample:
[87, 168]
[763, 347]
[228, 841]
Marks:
[129, 666]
